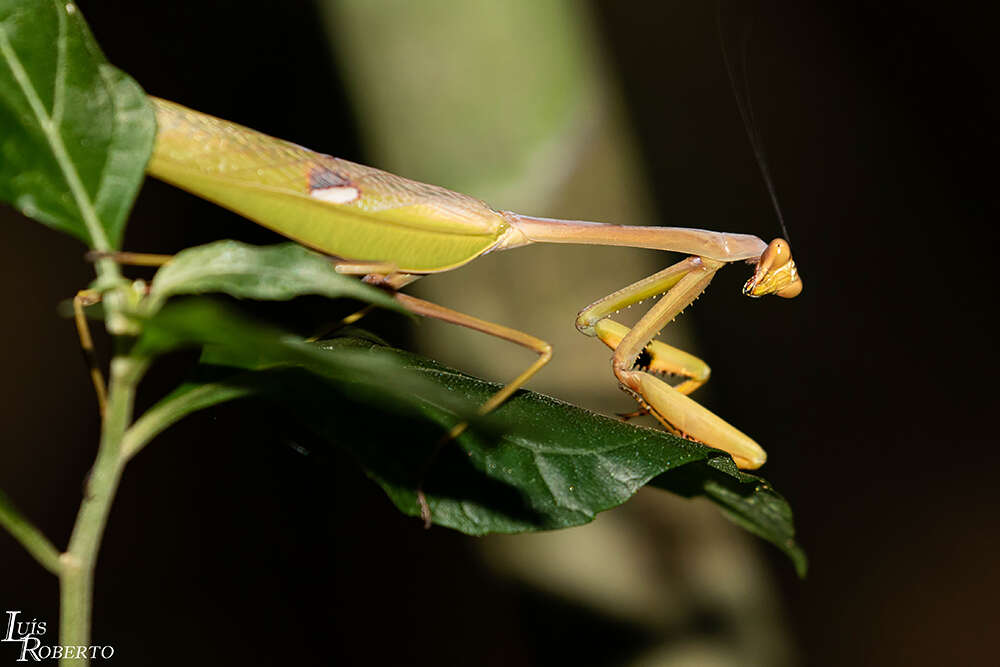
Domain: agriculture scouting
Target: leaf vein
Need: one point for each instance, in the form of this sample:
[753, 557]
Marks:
[59, 81]
[86, 207]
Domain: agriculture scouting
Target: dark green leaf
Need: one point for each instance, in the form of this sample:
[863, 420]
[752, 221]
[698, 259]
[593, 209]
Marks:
[535, 463]
[747, 500]
[230, 339]
[539, 463]
[76, 131]
[278, 272]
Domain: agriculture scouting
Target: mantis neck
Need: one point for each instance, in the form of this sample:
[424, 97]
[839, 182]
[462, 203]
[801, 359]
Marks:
[719, 246]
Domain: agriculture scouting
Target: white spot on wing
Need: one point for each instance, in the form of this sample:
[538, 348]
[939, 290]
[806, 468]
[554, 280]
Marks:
[341, 194]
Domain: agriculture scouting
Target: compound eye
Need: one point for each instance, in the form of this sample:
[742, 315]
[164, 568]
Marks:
[777, 254]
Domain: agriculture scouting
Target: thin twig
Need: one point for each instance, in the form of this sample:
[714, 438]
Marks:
[29, 536]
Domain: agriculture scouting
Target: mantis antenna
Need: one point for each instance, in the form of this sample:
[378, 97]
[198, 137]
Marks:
[745, 106]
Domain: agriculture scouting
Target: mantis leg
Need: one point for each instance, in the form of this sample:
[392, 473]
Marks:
[130, 258]
[658, 357]
[373, 270]
[83, 299]
[364, 268]
[543, 349]
[433, 310]
[637, 357]
[86, 298]
[397, 281]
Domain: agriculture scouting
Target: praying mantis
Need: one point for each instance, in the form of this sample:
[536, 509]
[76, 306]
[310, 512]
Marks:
[393, 230]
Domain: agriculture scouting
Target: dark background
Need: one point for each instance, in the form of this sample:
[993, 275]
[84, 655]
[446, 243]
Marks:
[880, 124]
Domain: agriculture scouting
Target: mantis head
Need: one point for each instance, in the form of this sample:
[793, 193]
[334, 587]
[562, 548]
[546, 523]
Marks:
[775, 273]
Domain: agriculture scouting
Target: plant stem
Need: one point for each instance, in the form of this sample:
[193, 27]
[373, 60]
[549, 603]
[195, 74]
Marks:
[174, 408]
[29, 536]
[76, 576]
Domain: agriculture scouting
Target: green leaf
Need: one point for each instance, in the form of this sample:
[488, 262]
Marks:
[76, 131]
[227, 338]
[747, 500]
[535, 463]
[278, 272]
[538, 463]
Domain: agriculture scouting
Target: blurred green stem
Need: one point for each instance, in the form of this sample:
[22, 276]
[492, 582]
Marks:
[76, 576]
[172, 409]
[29, 536]
[75, 567]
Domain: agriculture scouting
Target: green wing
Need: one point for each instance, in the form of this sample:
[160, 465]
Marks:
[338, 207]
